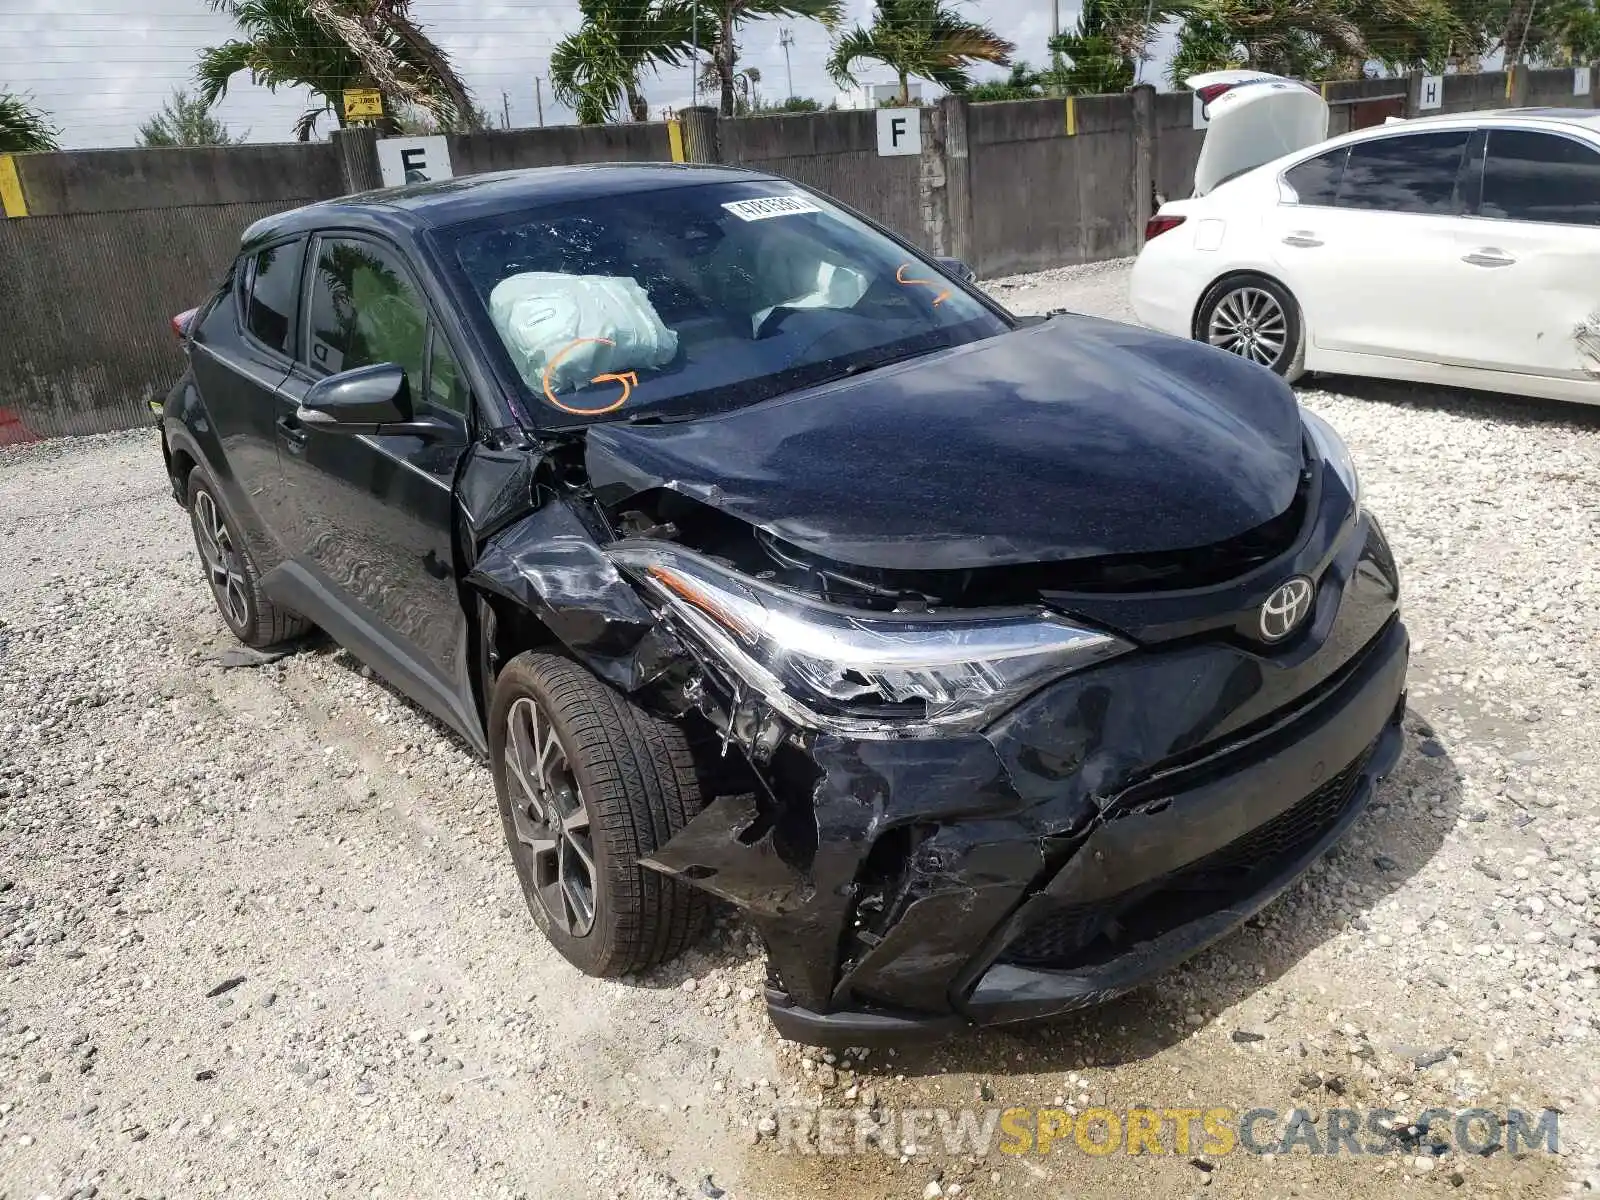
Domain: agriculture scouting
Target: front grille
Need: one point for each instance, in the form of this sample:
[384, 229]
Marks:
[1078, 935]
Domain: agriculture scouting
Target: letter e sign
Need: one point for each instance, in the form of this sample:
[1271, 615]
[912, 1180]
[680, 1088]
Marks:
[899, 131]
[404, 160]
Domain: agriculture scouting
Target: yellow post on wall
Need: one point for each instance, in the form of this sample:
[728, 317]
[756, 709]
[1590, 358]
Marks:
[12, 200]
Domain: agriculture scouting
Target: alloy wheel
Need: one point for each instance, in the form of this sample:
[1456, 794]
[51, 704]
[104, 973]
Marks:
[1249, 322]
[221, 559]
[551, 819]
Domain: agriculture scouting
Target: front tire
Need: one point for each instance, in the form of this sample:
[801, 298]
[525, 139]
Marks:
[1256, 319]
[588, 783]
[231, 571]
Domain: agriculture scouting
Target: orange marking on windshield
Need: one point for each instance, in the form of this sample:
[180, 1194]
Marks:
[629, 380]
[944, 293]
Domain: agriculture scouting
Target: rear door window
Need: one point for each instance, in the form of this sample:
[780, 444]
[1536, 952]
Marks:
[1541, 177]
[1411, 173]
[1316, 181]
[364, 310]
[268, 286]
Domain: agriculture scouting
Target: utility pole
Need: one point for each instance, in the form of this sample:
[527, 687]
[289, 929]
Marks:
[1055, 55]
[505, 111]
[538, 98]
[694, 58]
[786, 39]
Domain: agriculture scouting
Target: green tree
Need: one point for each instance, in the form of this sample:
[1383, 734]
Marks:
[1313, 39]
[1205, 43]
[746, 87]
[725, 17]
[185, 121]
[330, 46]
[1024, 83]
[596, 71]
[928, 39]
[1112, 37]
[794, 104]
[1555, 33]
[24, 127]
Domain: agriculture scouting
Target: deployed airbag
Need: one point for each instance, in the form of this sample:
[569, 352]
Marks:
[563, 330]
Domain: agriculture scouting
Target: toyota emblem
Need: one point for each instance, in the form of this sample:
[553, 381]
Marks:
[1284, 610]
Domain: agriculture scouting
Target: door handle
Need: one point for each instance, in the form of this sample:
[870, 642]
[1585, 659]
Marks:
[1488, 256]
[291, 431]
[1302, 237]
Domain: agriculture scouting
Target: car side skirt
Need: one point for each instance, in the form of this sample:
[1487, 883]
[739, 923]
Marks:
[297, 588]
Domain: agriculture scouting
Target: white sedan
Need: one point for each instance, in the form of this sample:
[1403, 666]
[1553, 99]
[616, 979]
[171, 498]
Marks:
[1458, 250]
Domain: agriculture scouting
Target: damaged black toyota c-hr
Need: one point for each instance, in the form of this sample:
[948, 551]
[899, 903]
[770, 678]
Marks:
[988, 665]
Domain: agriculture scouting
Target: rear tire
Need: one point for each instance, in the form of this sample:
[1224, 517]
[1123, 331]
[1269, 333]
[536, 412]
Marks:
[1255, 318]
[232, 573]
[589, 783]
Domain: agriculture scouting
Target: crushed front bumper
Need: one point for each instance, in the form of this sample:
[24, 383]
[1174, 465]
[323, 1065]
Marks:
[1186, 859]
[1104, 830]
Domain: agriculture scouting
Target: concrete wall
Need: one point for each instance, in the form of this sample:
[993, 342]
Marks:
[837, 153]
[104, 181]
[85, 339]
[1474, 93]
[1044, 198]
[1553, 88]
[1176, 144]
[116, 241]
[503, 150]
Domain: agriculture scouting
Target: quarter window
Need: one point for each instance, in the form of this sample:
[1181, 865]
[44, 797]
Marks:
[447, 388]
[268, 285]
[1540, 177]
[1415, 173]
[1316, 181]
[364, 311]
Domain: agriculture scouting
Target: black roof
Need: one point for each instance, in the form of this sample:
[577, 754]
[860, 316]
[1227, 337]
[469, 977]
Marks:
[451, 201]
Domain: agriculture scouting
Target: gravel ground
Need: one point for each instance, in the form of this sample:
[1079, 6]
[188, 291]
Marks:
[259, 936]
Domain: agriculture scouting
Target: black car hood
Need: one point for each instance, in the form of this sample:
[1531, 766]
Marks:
[1069, 439]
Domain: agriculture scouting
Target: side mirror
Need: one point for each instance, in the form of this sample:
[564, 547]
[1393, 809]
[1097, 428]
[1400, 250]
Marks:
[957, 268]
[375, 399]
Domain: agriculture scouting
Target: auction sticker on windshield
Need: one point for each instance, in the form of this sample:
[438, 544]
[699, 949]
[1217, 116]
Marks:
[770, 206]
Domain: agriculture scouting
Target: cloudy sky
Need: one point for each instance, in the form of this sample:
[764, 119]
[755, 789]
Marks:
[102, 67]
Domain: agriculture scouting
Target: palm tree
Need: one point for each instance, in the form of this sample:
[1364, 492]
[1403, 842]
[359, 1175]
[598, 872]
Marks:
[404, 61]
[746, 87]
[1572, 34]
[1315, 39]
[1111, 38]
[330, 46]
[925, 38]
[724, 18]
[595, 71]
[24, 127]
[1551, 32]
[1306, 39]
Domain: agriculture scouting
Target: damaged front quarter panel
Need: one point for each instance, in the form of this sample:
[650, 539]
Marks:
[548, 564]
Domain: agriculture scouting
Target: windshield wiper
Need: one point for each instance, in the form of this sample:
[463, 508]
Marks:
[655, 418]
[884, 360]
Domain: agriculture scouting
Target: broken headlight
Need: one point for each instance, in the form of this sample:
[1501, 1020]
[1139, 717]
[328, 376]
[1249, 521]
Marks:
[1335, 454]
[871, 675]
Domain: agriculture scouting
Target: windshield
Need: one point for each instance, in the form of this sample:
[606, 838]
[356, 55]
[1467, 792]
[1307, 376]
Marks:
[689, 300]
